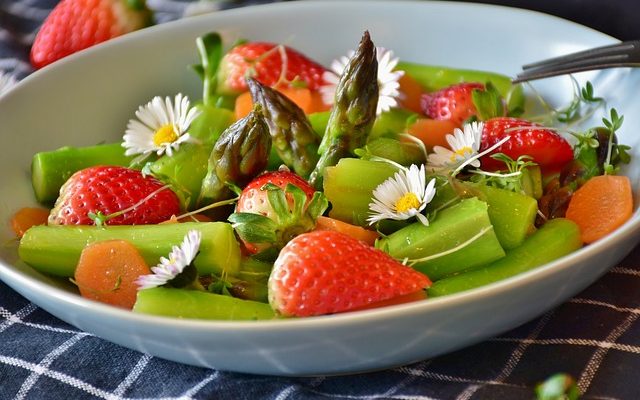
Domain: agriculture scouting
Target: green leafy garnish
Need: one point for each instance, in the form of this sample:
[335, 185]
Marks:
[558, 387]
[489, 103]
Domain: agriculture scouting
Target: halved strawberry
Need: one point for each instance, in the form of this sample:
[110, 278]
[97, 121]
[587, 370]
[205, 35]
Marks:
[105, 191]
[547, 148]
[275, 207]
[74, 25]
[325, 272]
[454, 103]
[270, 64]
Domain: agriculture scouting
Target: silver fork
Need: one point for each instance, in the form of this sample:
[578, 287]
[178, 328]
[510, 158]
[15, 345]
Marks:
[624, 54]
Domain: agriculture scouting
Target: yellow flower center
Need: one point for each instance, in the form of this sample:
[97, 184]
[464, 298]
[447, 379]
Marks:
[165, 134]
[407, 202]
[461, 152]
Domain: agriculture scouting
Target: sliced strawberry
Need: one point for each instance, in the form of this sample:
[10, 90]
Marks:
[453, 103]
[275, 207]
[329, 272]
[107, 190]
[265, 62]
[74, 25]
[547, 148]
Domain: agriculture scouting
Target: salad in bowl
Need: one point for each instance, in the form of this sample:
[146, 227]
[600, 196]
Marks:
[282, 198]
[293, 190]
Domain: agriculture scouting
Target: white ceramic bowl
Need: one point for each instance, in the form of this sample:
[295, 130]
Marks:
[89, 97]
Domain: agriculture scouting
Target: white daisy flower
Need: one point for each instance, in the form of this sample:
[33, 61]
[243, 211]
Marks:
[7, 81]
[389, 87]
[402, 196]
[464, 145]
[171, 267]
[161, 126]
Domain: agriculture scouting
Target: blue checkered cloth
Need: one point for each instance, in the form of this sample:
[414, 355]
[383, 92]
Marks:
[594, 337]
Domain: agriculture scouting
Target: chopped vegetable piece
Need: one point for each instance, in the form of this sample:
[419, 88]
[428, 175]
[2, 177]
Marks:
[459, 238]
[432, 132]
[411, 91]
[56, 250]
[183, 303]
[27, 217]
[107, 271]
[601, 205]
[309, 101]
[357, 232]
[553, 240]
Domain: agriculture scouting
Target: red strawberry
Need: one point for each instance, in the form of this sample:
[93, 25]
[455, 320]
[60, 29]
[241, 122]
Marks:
[325, 272]
[454, 102]
[108, 190]
[253, 198]
[74, 25]
[550, 150]
[264, 62]
[262, 224]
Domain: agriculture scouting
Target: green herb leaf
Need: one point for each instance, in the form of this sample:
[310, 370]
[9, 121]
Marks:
[489, 103]
[558, 387]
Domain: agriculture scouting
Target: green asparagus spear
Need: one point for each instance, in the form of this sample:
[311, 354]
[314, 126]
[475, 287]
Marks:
[291, 132]
[354, 110]
[241, 153]
[182, 303]
[50, 169]
[55, 250]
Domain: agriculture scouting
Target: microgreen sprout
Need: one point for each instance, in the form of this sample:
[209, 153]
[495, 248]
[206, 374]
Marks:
[574, 112]
[100, 219]
[510, 180]
[612, 124]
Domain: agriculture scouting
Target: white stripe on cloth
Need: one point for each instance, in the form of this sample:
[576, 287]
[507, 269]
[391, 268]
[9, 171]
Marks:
[575, 342]
[596, 360]
[626, 271]
[18, 67]
[194, 390]
[454, 379]
[516, 355]
[133, 375]
[92, 390]
[44, 365]
[607, 305]
[12, 319]
[62, 377]
[17, 320]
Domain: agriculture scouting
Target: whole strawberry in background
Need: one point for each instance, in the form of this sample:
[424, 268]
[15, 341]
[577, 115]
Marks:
[324, 272]
[270, 64]
[74, 25]
[109, 191]
[453, 103]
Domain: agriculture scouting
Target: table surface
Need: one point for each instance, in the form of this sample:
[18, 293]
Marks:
[594, 337]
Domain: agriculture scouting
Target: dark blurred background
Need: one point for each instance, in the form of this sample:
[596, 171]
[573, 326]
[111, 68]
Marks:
[618, 18]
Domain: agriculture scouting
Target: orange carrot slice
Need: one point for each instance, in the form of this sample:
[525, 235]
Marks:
[243, 105]
[357, 232]
[432, 132]
[309, 101]
[601, 205]
[27, 217]
[411, 91]
[107, 271]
